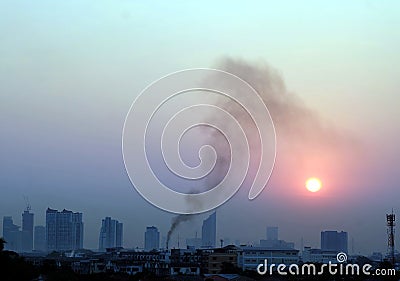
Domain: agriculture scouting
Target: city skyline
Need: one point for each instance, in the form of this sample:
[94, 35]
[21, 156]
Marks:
[111, 236]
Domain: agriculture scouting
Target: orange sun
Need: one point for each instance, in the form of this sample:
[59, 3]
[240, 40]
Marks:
[313, 184]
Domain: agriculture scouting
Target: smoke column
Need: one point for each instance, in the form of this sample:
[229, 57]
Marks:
[176, 221]
[303, 136]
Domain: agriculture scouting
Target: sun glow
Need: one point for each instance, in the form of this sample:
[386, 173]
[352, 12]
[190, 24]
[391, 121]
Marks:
[313, 184]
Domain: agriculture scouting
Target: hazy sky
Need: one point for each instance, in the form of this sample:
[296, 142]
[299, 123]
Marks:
[70, 70]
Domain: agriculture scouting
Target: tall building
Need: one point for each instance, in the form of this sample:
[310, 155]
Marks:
[12, 235]
[272, 233]
[273, 241]
[110, 234]
[27, 231]
[209, 231]
[151, 238]
[39, 243]
[120, 235]
[64, 230]
[334, 241]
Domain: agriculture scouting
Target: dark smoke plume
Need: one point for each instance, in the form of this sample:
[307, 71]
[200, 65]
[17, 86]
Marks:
[176, 221]
[293, 119]
[304, 138]
[301, 132]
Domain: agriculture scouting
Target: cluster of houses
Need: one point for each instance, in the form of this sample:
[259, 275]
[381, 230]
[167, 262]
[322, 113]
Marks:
[225, 263]
[172, 262]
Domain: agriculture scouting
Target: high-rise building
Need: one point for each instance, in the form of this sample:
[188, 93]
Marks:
[334, 241]
[272, 233]
[64, 230]
[39, 243]
[19, 240]
[151, 238]
[120, 235]
[209, 231]
[27, 231]
[12, 235]
[273, 241]
[110, 234]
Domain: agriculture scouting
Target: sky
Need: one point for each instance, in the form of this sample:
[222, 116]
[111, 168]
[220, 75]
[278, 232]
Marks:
[70, 70]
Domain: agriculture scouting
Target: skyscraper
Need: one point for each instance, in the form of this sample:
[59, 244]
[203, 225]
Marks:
[151, 238]
[334, 241]
[110, 234]
[209, 231]
[272, 233]
[120, 235]
[64, 230]
[11, 234]
[27, 231]
[39, 243]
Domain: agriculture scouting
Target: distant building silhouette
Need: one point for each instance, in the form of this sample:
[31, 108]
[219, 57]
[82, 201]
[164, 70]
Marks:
[64, 230]
[27, 231]
[11, 234]
[376, 257]
[273, 241]
[334, 241]
[39, 243]
[151, 238]
[276, 244]
[194, 242]
[272, 233]
[209, 231]
[111, 233]
[19, 240]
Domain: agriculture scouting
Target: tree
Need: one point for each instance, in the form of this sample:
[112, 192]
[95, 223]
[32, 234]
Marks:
[2, 242]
